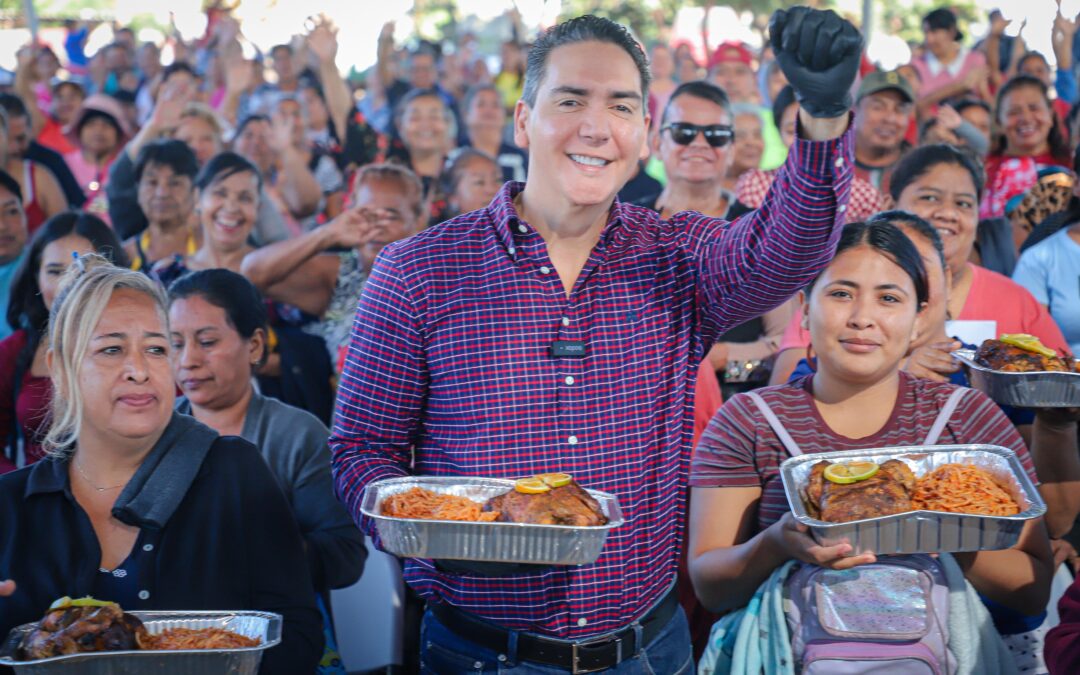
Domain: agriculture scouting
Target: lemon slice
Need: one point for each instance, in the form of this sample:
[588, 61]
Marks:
[555, 479]
[852, 472]
[1027, 342]
[531, 486]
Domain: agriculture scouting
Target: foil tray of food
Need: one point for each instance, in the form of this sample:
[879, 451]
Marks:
[99, 638]
[914, 499]
[1013, 376]
[491, 519]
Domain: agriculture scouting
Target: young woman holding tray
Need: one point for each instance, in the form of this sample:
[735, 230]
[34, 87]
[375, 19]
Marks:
[862, 313]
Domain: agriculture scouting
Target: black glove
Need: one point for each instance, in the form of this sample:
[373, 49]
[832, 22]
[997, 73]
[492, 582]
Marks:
[819, 54]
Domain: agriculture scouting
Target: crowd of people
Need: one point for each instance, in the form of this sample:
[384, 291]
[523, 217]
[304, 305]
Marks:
[237, 291]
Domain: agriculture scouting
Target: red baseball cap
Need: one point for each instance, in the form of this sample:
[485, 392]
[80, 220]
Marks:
[731, 52]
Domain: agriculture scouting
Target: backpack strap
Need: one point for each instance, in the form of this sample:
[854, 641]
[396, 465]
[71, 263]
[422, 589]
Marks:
[777, 426]
[943, 417]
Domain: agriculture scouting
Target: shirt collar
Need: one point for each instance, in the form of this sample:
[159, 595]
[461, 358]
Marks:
[48, 475]
[505, 217]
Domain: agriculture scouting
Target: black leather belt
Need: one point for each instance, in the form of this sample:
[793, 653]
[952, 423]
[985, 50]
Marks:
[585, 656]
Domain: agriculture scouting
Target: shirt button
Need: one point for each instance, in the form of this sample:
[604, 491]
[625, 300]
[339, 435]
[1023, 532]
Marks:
[522, 229]
[512, 250]
[148, 547]
[572, 440]
[569, 379]
[842, 208]
[479, 665]
[839, 162]
[144, 595]
[582, 622]
[566, 321]
[545, 270]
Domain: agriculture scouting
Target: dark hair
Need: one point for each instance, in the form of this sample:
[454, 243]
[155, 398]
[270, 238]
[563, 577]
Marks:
[244, 123]
[1030, 55]
[178, 67]
[13, 105]
[221, 166]
[903, 219]
[587, 28]
[942, 19]
[414, 94]
[1059, 146]
[167, 152]
[27, 308]
[244, 307]
[890, 241]
[452, 173]
[473, 92]
[698, 89]
[92, 114]
[277, 48]
[784, 98]
[920, 160]
[69, 83]
[8, 182]
[963, 104]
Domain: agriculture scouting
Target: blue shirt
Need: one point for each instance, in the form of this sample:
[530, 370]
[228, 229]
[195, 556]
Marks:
[1050, 270]
[7, 272]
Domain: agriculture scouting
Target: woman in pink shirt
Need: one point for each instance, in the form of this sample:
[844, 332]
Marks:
[947, 69]
[99, 132]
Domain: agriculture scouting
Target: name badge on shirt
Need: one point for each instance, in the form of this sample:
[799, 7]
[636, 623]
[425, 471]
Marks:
[564, 349]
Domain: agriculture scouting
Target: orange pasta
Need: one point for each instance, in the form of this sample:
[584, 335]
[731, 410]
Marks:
[201, 638]
[420, 503]
[961, 488]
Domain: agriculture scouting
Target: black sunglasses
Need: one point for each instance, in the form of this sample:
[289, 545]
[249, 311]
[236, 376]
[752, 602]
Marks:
[716, 135]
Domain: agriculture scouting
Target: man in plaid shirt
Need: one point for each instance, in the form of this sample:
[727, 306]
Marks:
[561, 330]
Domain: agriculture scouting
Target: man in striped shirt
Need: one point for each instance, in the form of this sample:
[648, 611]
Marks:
[561, 330]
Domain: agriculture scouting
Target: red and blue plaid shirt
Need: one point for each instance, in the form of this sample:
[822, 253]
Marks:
[449, 372]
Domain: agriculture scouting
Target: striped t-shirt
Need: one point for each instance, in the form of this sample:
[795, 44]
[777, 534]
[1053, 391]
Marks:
[740, 449]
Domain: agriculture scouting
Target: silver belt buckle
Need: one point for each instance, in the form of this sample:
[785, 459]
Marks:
[575, 658]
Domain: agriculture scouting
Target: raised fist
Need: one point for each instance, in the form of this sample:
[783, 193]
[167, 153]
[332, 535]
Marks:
[819, 54]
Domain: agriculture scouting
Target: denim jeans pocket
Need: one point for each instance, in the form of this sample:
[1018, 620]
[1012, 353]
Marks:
[670, 652]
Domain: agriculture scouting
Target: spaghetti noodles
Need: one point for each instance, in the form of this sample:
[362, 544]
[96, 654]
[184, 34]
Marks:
[427, 505]
[201, 638]
[962, 488]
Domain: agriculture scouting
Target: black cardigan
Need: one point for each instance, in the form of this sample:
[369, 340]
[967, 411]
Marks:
[231, 544]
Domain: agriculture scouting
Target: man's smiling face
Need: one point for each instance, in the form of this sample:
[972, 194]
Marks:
[587, 130]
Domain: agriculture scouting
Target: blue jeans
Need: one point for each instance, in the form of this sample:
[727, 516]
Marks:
[444, 653]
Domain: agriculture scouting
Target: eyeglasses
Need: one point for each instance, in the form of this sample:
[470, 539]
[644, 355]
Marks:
[716, 135]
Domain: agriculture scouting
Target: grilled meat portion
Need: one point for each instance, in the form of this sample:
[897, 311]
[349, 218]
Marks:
[886, 492]
[73, 630]
[997, 355]
[566, 505]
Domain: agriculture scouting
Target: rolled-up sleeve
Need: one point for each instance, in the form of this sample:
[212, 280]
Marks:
[760, 260]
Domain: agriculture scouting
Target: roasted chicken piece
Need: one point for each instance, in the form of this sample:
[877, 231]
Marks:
[885, 493]
[998, 355]
[566, 505]
[73, 630]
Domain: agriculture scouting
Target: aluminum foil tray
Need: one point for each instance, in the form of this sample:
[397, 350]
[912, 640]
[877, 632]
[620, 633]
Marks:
[921, 531]
[263, 625]
[489, 542]
[1022, 390]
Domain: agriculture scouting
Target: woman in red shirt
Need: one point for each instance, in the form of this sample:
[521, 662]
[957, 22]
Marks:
[25, 390]
[1030, 141]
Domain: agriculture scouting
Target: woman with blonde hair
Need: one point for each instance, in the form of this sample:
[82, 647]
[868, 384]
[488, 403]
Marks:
[139, 504]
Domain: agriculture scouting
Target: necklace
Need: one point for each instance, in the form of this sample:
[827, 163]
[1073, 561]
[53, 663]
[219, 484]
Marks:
[91, 483]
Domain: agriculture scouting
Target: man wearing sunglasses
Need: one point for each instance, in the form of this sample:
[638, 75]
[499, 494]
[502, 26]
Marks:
[559, 329]
[695, 142]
